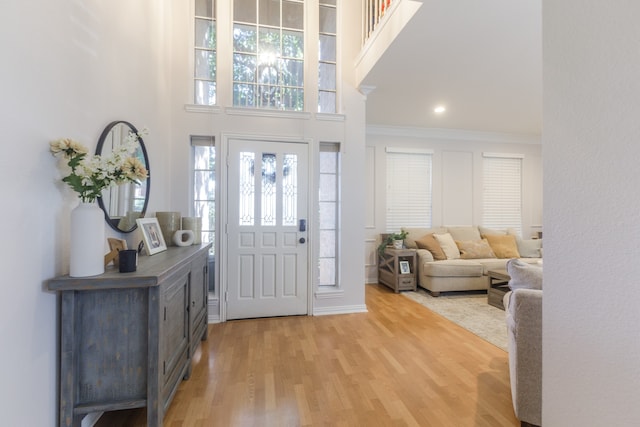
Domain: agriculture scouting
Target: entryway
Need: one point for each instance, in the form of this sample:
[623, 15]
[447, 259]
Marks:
[267, 248]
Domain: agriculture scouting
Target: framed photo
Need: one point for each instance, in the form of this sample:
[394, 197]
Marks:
[151, 235]
[404, 267]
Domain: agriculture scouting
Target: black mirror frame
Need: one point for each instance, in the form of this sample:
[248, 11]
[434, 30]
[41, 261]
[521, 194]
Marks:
[99, 148]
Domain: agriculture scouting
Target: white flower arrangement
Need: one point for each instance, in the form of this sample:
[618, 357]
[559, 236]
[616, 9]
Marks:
[89, 175]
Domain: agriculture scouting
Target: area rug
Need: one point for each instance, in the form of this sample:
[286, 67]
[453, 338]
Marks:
[469, 310]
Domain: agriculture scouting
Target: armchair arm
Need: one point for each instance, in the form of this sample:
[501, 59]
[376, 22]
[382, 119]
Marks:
[524, 328]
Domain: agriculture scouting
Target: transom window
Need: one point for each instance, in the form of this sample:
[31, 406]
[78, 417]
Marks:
[327, 57]
[268, 54]
[205, 41]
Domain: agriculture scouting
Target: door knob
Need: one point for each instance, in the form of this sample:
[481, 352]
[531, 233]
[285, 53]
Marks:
[302, 240]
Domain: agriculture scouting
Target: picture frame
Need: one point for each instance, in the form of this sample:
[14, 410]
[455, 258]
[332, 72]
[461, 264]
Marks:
[404, 267]
[115, 246]
[151, 235]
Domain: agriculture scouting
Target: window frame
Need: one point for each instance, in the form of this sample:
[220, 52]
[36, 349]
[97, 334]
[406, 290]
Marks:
[413, 169]
[204, 141]
[330, 147]
[255, 87]
[329, 5]
[195, 49]
[506, 166]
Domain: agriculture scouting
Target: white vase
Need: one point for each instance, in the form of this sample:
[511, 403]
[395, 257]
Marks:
[87, 240]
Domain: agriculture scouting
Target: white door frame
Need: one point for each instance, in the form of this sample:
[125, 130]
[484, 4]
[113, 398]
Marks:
[223, 164]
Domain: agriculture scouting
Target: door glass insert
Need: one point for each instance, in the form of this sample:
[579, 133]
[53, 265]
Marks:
[247, 188]
[269, 189]
[290, 190]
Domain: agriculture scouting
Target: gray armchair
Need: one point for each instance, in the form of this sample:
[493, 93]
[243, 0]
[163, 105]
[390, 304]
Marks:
[523, 308]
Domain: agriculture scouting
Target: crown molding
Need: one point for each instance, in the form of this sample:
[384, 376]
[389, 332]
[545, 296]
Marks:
[454, 134]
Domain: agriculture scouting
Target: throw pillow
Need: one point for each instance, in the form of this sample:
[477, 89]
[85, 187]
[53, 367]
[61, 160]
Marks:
[429, 243]
[464, 234]
[448, 245]
[475, 249]
[524, 275]
[529, 248]
[484, 231]
[504, 246]
[416, 233]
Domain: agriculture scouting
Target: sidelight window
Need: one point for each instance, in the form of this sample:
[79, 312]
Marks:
[329, 199]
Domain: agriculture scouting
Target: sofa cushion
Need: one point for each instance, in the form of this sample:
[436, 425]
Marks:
[464, 234]
[448, 245]
[475, 249]
[429, 243]
[416, 233]
[524, 275]
[452, 268]
[504, 246]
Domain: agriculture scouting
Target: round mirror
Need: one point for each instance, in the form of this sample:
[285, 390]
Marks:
[124, 203]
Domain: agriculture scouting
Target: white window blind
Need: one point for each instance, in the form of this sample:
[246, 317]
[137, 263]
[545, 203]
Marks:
[502, 191]
[408, 189]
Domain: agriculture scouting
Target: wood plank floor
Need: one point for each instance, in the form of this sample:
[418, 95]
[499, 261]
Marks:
[397, 365]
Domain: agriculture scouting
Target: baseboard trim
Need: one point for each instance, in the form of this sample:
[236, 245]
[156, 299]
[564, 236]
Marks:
[345, 309]
[213, 310]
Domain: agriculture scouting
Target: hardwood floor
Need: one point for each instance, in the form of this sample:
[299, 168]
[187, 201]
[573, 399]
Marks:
[397, 365]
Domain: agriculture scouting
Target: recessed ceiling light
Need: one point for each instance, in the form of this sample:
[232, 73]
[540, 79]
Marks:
[440, 109]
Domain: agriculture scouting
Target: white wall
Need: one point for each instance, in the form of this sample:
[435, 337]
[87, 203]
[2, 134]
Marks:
[456, 178]
[69, 68]
[591, 339]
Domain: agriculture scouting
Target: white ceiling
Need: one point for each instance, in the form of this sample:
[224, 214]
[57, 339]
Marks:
[482, 59]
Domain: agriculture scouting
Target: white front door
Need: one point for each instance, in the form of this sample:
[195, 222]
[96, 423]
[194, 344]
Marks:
[266, 229]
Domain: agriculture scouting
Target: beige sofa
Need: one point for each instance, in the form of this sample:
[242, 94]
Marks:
[464, 274]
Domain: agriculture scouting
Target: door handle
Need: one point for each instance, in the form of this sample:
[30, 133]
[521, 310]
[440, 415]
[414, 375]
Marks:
[303, 225]
[302, 240]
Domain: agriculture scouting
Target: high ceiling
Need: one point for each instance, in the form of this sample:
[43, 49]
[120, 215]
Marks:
[481, 59]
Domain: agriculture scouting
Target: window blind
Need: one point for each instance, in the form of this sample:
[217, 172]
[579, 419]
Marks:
[502, 191]
[408, 189]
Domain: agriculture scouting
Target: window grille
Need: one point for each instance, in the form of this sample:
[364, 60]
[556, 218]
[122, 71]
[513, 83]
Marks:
[205, 56]
[329, 215]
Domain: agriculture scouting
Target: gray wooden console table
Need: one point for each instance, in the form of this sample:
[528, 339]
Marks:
[127, 339]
